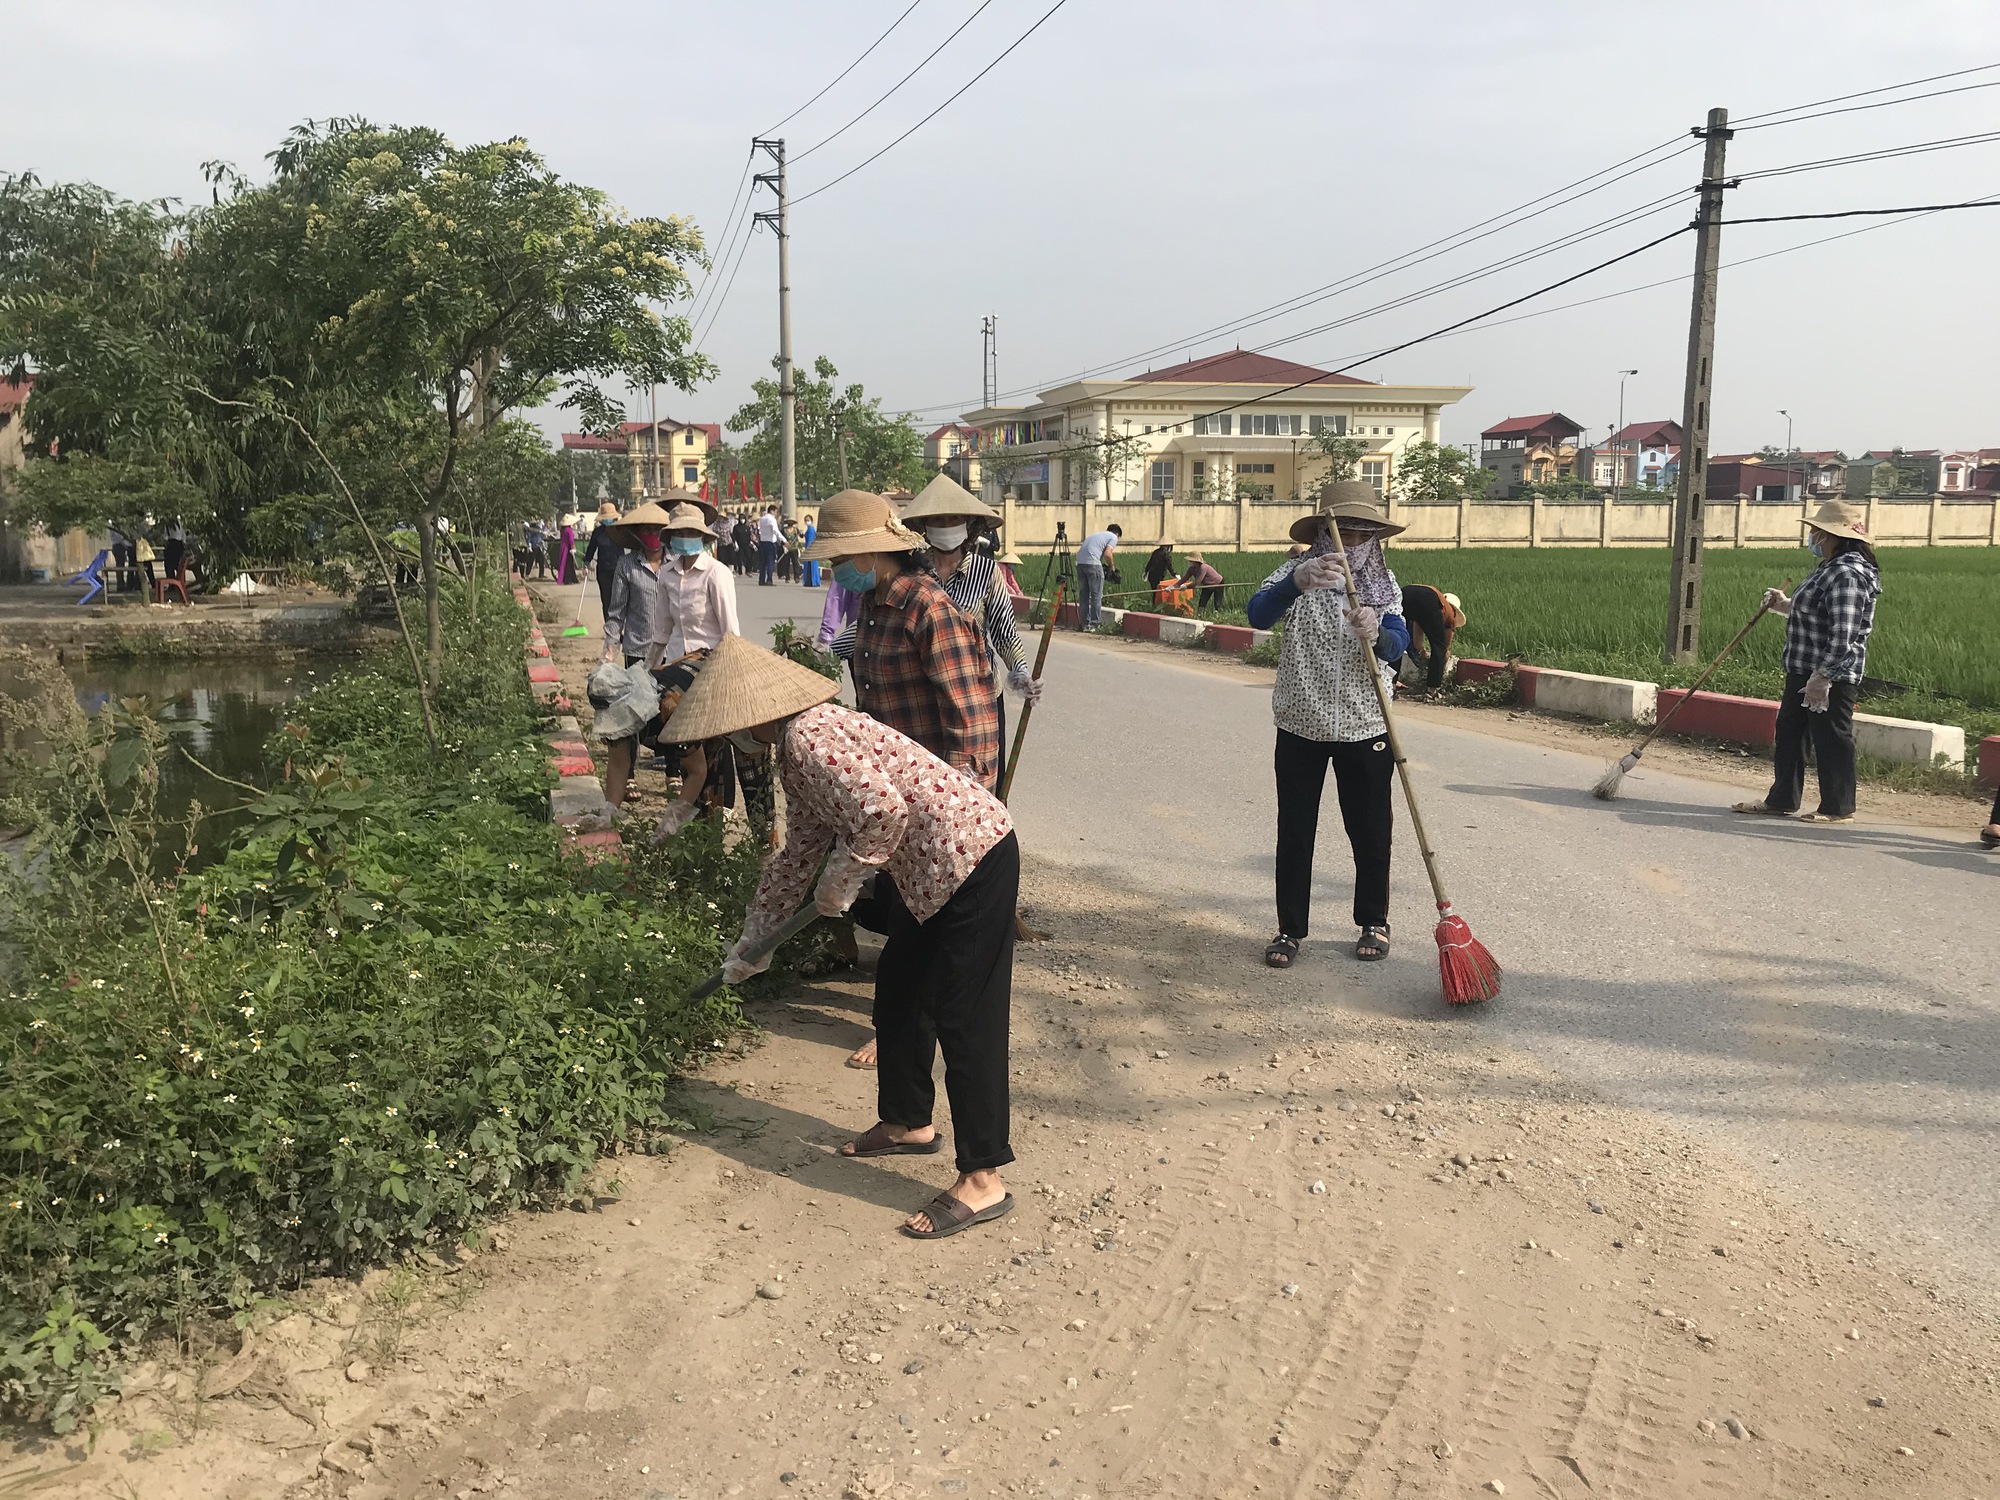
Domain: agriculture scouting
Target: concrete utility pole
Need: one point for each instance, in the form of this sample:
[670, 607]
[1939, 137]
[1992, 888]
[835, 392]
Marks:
[779, 222]
[989, 360]
[1683, 643]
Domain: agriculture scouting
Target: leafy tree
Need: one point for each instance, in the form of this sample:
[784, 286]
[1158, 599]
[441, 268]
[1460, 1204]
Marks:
[882, 452]
[1434, 471]
[1340, 456]
[448, 285]
[1564, 487]
[591, 476]
[91, 493]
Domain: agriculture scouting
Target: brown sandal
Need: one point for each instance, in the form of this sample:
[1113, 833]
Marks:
[876, 1141]
[1760, 809]
[948, 1215]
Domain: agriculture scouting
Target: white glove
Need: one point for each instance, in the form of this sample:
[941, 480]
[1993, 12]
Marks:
[736, 968]
[1365, 623]
[678, 815]
[1028, 687]
[1818, 690]
[840, 883]
[1776, 602]
[1322, 572]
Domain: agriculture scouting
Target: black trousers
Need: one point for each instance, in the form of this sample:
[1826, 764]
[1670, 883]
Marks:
[1362, 770]
[1833, 747]
[1425, 612]
[1210, 597]
[947, 985]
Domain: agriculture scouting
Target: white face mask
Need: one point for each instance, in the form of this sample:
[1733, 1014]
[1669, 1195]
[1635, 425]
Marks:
[947, 538]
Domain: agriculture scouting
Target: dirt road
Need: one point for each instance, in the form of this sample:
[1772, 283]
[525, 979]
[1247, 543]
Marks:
[1270, 1239]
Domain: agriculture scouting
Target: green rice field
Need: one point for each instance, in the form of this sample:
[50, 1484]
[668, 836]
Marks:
[1937, 625]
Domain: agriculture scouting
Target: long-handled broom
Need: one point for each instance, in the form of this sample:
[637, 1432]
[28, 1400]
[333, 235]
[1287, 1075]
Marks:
[577, 627]
[1614, 774]
[1022, 931]
[1466, 970]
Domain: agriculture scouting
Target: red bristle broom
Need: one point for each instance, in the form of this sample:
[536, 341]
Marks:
[1466, 970]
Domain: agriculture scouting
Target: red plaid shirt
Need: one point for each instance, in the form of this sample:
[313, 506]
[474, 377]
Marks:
[921, 668]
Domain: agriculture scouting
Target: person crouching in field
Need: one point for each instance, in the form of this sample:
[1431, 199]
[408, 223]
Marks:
[1826, 646]
[1337, 631]
[1438, 615]
[869, 800]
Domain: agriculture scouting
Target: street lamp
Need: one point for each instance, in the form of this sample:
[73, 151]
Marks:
[1791, 455]
[1624, 480]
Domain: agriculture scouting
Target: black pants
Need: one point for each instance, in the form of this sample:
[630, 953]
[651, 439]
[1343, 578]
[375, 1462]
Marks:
[176, 554]
[1210, 597]
[1425, 611]
[1362, 770]
[947, 985]
[607, 573]
[1833, 747]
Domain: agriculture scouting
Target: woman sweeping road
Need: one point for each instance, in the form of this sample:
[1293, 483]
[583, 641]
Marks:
[868, 800]
[1826, 646]
[1328, 712]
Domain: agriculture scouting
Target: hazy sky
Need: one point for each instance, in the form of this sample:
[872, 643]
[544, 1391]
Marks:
[1135, 174]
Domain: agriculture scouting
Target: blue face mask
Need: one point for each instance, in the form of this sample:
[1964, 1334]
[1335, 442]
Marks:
[685, 546]
[852, 578]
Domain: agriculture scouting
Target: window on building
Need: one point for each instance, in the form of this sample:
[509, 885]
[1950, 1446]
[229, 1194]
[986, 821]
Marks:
[689, 437]
[690, 474]
[1163, 478]
[1217, 426]
[1199, 469]
[1269, 424]
[1336, 424]
[1375, 473]
[1256, 468]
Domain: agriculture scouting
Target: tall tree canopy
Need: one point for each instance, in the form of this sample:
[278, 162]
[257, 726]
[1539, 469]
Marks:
[883, 452]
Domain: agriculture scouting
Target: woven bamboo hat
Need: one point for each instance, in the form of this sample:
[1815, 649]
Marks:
[1352, 500]
[741, 686]
[1012, 559]
[607, 512]
[708, 508]
[648, 514]
[686, 517]
[855, 521]
[1840, 518]
[945, 496]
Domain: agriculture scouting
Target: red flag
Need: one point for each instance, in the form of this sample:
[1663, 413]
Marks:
[704, 489]
[760, 484]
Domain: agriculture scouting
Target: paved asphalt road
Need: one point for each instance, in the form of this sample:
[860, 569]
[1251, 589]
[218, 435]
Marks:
[1814, 999]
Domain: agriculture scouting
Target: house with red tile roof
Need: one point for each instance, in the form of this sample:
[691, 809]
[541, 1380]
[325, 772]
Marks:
[664, 455]
[1529, 450]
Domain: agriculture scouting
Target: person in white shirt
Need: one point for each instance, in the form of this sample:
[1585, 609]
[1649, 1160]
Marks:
[1097, 553]
[770, 542]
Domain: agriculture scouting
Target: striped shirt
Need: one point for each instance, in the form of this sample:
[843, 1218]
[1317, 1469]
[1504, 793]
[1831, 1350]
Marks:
[1832, 614]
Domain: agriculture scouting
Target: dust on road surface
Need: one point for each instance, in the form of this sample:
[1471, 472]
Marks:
[1277, 1234]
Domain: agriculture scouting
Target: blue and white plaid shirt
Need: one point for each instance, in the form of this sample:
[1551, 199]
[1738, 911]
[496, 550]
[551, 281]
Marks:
[1832, 613]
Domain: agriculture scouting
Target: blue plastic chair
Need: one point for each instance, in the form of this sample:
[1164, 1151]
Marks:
[94, 576]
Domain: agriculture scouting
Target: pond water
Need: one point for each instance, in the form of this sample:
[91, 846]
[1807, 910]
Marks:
[222, 709]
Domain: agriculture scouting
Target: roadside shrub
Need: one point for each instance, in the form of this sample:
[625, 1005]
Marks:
[392, 1009]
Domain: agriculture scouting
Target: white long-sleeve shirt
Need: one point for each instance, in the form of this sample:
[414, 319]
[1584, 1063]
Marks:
[700, 606]
[768, 529]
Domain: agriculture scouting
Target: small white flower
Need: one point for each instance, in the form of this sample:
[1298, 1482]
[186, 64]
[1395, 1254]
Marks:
[576, 1067]
[152, 1098]
[236, 919]
[375, 906]
[390, 1110]
[513, 867]
[97, 984]
[284, 1140]
[248, 1011]
[37, 1024]
[113, 1144]
[228, 1098]
[246, 995]
[345, 1141]
[197, 1057]
[353, 1087]
[333, 932]
[415, 975]
[505, 1110]
[160, 1239]
[15, 1204]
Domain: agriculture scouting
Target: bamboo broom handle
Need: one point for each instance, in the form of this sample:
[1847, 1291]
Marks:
[1028, 709]
[1395, 744]
[1708, 672]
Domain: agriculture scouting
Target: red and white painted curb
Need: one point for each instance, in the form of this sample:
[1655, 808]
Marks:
[577, 794]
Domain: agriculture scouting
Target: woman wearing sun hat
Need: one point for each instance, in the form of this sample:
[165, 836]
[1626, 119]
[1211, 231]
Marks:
[869, 800]
[1341, 623]
[951, 519]
[601, 553]
[1826, 647]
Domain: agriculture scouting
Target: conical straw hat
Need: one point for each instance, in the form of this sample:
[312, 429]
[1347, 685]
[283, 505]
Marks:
[855, 521]
[741, 686]
[648, 514]
[687, 516]
[945, 496]
[1346, 500]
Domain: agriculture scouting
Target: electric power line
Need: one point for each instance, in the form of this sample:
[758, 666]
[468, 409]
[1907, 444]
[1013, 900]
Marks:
[1859, 213]
[1889, 88]
[1917, 148]
[715, 308]
[894, 86]
[723, 241]
[1881, 104]
[773, 130]
[936, 112]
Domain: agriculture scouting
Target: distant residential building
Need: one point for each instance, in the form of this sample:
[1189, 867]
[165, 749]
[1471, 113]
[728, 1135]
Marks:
[1640, 455]
[954, 449]
[13, 442]
[1894, 472]
[663, 456]
[1755, 478]
[1529, 450]
[1228, 428]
